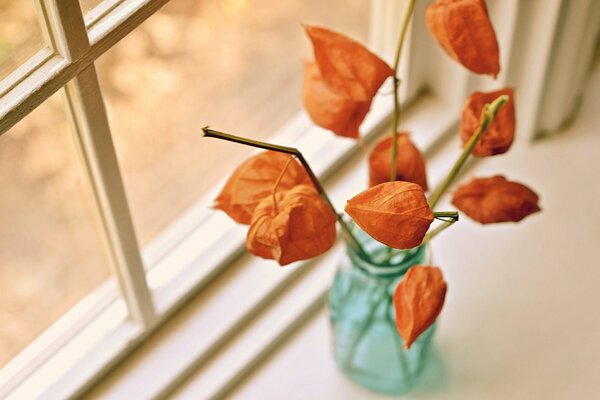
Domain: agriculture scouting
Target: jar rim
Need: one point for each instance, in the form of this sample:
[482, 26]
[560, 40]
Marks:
[388, 269]
[396, 266]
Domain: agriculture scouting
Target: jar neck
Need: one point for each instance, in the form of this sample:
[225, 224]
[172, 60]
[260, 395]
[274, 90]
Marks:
[376, 264]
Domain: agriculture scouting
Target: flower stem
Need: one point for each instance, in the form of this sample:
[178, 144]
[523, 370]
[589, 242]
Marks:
[296, 153]
[401, 350]
[278, 181]
[434, 232]
[368, 321]
[488, 113]
[446, 215]
[396, 114]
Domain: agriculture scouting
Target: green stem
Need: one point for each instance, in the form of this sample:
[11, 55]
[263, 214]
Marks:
[364, 328]
[448, 217]
[396, 114]
[294, 152]
[445, 215]
[403, 363]
[488, 113]
[434, 232]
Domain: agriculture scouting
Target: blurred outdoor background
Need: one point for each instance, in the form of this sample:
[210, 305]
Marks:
[233, 64]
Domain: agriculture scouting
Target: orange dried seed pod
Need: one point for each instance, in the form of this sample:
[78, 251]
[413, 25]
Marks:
[418, 300]
[393, 213]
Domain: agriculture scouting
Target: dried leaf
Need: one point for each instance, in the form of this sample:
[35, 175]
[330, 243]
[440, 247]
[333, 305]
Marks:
[410, 164]
[394, 213]
[329, 109]
[464, 30]
[489, 200]
[347, 66]
[253, 180]
[499, 136]
[418, 300]
[297, 225]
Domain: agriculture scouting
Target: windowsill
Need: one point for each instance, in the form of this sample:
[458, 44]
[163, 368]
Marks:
[521, 312]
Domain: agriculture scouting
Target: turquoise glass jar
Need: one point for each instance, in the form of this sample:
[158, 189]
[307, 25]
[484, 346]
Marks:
[366, 344]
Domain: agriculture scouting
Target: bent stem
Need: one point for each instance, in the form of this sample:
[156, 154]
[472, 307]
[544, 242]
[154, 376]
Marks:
[296, 153]
[488, 113]
[396, 114]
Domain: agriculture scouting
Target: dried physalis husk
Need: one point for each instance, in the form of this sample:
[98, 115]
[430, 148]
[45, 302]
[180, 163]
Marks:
[499, 136]
[464, 30]
[418, 300]
[490, 200]
[329, 109]
[295, 225]
[410, 164]
[254, 179]
[347, 66]
[393, 213]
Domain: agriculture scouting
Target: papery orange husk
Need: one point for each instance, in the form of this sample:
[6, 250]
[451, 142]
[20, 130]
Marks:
[464, 30]
[254, 179]
[499, 136]
[418, 300]
[346, 65]
[410, 164]
[393, 213]
[297, 225]
[329, 109]
[490, 200]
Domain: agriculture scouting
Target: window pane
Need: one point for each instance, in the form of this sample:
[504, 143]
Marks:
[20, 34]
[233, 64]
[87, 5]
[51, 249]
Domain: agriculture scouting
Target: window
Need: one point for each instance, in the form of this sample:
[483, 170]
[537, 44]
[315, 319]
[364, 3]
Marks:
[80, 208]
[135, 199]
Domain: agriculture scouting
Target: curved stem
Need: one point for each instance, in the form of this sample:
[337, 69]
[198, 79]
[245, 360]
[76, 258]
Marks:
[294, 152]
[488, 113]
[396, 114]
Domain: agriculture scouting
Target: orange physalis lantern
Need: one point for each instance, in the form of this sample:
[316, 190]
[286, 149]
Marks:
[393, 213]
[490, 200]
[418, 300]
[347, 66]
[464, 30]
[499, 136]
[292, 225]
[254, 179]
[410, 164]
[329, 109]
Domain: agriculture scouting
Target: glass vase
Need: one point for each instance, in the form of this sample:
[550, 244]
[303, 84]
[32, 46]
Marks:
[366, 344]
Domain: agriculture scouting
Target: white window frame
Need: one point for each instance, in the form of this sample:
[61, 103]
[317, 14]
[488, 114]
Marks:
[192, 253]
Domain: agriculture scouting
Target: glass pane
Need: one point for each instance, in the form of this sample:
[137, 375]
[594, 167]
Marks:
[234, 64]
[20, 34]
[51, 248]
[87, 5]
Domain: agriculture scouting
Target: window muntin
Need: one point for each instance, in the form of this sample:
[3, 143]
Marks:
[235, 64]
[52, 253]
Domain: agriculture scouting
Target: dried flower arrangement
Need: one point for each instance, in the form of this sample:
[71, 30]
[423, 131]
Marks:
[289, 214]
